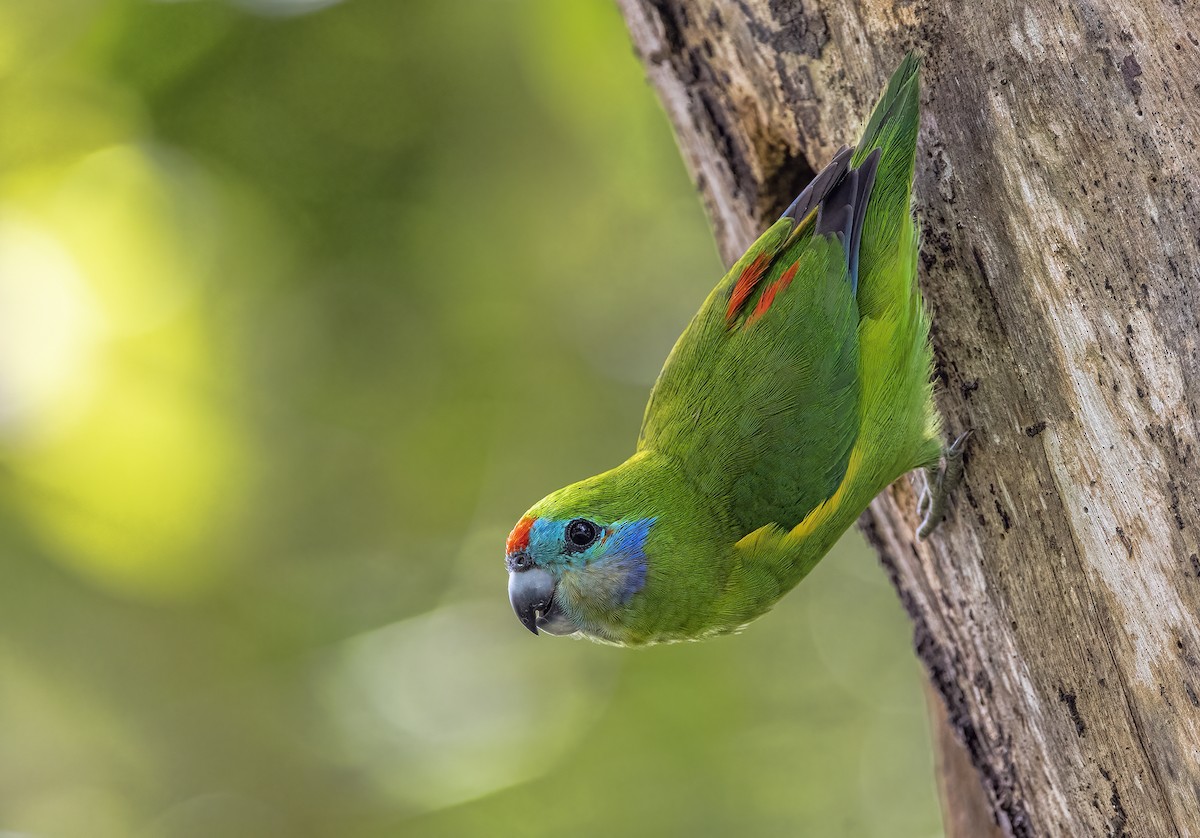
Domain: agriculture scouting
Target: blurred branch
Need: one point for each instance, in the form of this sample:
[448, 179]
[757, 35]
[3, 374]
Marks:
[1058, 609]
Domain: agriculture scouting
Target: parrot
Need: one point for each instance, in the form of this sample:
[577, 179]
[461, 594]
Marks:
[799, 391]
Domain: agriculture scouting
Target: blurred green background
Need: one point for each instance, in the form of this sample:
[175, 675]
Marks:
[301, 305]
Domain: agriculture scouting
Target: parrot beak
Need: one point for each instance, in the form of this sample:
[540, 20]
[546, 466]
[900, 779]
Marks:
[531, 592]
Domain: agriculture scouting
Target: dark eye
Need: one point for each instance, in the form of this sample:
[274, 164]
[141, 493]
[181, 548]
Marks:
[581, 533]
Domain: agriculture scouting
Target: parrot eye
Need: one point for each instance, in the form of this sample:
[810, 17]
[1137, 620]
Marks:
[581, 534]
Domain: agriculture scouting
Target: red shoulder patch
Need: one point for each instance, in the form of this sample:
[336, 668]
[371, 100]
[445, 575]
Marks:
[751, 274]
[518, 539]
[768, 296]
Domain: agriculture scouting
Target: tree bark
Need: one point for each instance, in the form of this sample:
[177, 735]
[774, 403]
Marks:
[966, 811]
[1058, 608]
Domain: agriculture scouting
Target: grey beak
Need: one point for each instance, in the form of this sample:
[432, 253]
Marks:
[531, 593]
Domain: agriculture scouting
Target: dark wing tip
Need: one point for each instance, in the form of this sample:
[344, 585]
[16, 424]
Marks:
[844, 210]
[819, 186]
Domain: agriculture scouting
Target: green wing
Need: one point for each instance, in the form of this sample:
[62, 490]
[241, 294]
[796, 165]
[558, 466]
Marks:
[899, 425]
[758, 401]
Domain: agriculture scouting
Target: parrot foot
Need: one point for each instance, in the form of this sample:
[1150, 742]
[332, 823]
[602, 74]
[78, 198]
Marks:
[940, 481]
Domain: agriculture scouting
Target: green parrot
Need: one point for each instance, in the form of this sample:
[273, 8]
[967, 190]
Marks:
[798, 392]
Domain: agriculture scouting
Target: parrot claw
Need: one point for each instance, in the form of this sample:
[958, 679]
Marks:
[940, 482]
[924, 501]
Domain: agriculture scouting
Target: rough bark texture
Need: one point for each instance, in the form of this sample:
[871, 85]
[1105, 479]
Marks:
[1058, 609]
[966, 811]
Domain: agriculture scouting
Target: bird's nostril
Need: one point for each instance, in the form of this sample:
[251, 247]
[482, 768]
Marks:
[521, 561]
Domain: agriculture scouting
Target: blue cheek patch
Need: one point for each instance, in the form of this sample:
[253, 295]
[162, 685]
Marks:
[613, 569]
[629, 536]
[625, 550]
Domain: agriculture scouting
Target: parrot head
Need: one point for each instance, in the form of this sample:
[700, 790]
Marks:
[614, 558]
[573, 570]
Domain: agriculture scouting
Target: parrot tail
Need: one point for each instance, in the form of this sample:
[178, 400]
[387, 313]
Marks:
[888, 229]
[902, 428]
[897, 108]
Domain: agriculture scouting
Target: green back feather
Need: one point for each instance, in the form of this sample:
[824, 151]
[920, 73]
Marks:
[763, 413]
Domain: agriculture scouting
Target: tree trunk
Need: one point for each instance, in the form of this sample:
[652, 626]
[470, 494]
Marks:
[1058, 609]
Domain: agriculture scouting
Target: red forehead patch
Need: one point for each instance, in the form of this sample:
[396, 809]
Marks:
[518, 539]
